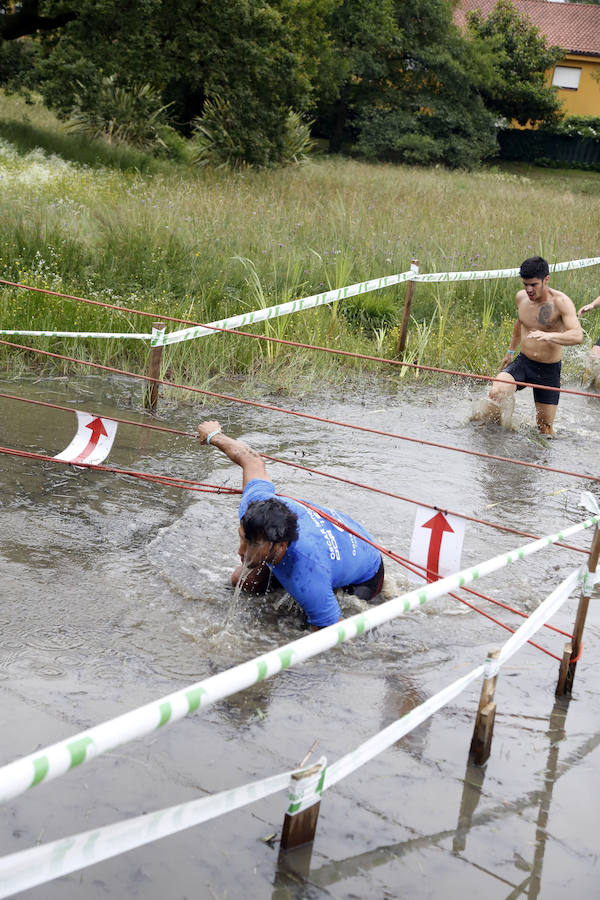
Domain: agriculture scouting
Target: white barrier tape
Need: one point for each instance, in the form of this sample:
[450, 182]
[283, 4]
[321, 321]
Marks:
[48, 763]
[281, 309]
[575, 264]
[379, 742]
[363, 287]
[78, 334]
[161, 338]
[39, 865]
[305, 792]
[480, 275]
[29, 868]
[419, 714]
[590, 503]
[537, 618]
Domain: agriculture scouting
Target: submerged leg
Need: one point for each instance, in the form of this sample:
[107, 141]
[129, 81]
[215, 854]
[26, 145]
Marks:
[501, 392]
[545, 414]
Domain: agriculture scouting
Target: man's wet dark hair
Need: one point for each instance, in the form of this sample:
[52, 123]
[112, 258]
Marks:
[534, 267]
[270, 519]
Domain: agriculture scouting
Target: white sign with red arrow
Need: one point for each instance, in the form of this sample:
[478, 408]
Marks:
[436, 544]
[93, 440]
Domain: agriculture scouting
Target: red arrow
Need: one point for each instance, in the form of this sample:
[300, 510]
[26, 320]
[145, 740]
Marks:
[97, 429]
[439, 524]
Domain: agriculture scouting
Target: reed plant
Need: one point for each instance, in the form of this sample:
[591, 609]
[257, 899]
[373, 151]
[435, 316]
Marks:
[200, 246]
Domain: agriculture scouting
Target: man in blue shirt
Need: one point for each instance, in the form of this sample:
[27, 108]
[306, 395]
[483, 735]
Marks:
[296, 542]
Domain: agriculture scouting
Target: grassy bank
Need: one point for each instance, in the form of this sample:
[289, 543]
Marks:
[93, 221]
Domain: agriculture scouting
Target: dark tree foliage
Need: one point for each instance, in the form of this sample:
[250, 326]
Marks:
[517, 88]
[20, 19]
[387, 78]
[407, 84]
[259, 56]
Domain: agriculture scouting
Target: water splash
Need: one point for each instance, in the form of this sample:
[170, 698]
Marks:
[486, 410]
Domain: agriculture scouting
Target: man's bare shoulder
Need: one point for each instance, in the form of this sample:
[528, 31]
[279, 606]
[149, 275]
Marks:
[562, 301]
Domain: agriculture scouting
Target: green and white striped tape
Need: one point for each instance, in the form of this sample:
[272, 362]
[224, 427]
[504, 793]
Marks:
[281, 309]
[480, 275]
[29, 868]
[78, 334]
[55, 760]
[161, 338]
[305, 791]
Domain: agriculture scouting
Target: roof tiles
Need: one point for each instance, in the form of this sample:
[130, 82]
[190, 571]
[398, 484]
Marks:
[573, 26]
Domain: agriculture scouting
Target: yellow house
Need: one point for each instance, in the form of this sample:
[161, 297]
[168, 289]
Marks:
[575, 27]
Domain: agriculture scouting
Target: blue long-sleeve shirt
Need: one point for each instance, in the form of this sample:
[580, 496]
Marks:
[323, 557]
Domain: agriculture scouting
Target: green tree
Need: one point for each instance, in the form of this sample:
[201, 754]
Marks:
[29, 17]
[517, 88]
[406, 84]
[258, 57]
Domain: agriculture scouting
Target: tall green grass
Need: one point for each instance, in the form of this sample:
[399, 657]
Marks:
[201, 246]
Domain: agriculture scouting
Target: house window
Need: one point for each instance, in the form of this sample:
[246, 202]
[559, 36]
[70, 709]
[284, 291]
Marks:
[566, 77]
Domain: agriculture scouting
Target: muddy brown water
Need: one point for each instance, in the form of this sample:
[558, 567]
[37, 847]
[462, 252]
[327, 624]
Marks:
[115, 592]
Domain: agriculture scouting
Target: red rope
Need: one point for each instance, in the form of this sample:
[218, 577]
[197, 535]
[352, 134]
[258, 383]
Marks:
[504, 528]
[397, 362]
[274, 340]
[297, 465]
[413, 567]
[170, 481]
[257, 404]
[125, 309]
[206, 488]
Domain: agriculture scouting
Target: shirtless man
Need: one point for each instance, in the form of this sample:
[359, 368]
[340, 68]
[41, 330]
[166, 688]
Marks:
[547, 321]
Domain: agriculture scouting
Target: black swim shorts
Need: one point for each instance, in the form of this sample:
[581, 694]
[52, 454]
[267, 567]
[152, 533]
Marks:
[524, 369]
[597, 344]
[368, 590]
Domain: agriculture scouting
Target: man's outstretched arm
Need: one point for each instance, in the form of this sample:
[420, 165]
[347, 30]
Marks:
[588, 306]
[251, 462]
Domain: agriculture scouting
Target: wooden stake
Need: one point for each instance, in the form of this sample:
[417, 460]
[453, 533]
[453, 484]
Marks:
[483, 732]
[151, 392]
[568, 664]
[293, 867]
[408, 299]
[299, 828]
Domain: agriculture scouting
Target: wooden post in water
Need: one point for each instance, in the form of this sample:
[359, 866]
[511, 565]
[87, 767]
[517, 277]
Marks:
[408, 299]
[483, 732]
[568, 664]
[151, 390]
[300, 822]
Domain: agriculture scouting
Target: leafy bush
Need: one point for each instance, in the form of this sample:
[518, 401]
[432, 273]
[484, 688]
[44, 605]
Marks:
[221, 139]
[579, 126]
[370, 313]
[546, 162]
[297, 142]
[173, 145]
[216, 140]
[119, 114]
